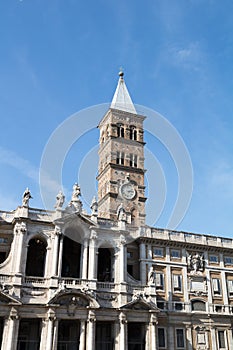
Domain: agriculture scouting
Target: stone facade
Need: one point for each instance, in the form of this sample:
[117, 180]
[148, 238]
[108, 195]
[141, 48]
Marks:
[105, 280]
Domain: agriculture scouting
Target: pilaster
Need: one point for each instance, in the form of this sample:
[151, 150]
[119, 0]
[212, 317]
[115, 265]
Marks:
[10, 332]
[91, 324]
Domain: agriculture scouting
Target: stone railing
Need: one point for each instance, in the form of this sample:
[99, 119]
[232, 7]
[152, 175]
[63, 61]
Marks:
[35, 281]
[40, 214]
[5, 279]
[188, 237]
[105, 285]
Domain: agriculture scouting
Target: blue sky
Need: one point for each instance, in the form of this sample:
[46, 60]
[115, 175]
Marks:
[59, 57]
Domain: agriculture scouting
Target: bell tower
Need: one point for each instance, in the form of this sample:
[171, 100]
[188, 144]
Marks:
[121, 159]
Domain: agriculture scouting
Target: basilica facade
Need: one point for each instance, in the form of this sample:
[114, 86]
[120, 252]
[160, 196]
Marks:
[105, 280]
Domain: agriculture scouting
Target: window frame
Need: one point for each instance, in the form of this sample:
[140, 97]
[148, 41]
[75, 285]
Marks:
[158, 255]
[164, 338]
[183, 338]
[179, 288]
[159, 277]
[216, 291]
[224, 339]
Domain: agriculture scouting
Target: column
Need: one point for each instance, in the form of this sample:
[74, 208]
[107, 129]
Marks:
[60, 256]
[116, 335]
[57, 233]
[123, 342]
[142, 263]
[82, 337]
[169, 288]
[213, 338]
[229, 337]
[151, 341]
[122, 263]
[50, 327]
[85, 259]
[209, 290]
[92, 264]
[19, 231]
[90, 344]
[170, 338]
[148, 337]
[185, 289]
[55, 334]
[189, 337]
[224, 292]
[10, 333]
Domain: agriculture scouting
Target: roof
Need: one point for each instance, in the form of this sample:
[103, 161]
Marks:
[121, 99]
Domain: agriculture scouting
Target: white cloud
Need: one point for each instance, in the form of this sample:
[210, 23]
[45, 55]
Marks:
[189, 57]
[26, 168]
[11, 158]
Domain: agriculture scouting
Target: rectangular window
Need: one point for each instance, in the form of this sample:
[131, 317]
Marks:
[221, 340]
[161, 338]
[159, 280]
[230, 287]
[175, 254]
[177, 283]
[179, 338]
[158, 252]
[228, 260]
[213, 259]
[216, 286]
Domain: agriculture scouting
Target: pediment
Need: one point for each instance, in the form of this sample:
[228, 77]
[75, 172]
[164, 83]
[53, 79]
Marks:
[8, 299]
[140, 304]
[74, 299]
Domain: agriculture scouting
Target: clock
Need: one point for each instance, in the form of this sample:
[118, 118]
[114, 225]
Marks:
[127, 191]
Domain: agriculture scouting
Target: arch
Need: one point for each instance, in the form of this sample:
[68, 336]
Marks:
[36, 256]
[83, 298]
[120, 130]
[71, 257]
[105, 265]
[198, 305]
[132, 133]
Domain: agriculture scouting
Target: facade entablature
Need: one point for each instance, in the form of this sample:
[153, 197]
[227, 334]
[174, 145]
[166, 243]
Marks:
[186, 237]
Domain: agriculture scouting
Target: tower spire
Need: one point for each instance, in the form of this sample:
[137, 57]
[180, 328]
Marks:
[121, 99]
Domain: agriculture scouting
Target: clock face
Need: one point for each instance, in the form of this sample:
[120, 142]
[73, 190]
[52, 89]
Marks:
[127, 191]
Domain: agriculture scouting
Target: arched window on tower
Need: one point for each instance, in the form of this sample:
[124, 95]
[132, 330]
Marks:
[36, 257]
[133, 160]
[133, 133]
[120, 130]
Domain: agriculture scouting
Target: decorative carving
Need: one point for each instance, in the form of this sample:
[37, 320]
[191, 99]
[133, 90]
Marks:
[121, 214]
[60, 199]
[122, 240]
[13, 314]
[86, 290]
[75, 201]
[107, 297]
[91, 316]
[26, 197]
[139, 296]
[151, 276]
[94, 207]
[74, 303]
[93, 235]
[195, 263]
[57, 230]
[122, 318]
[20, 227]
